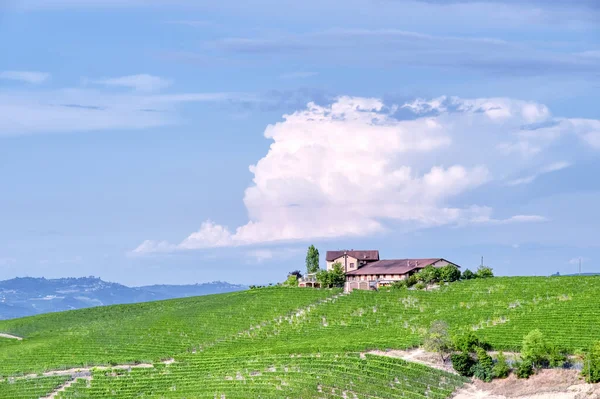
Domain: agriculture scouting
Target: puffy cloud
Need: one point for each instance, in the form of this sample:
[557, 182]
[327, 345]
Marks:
[25, 76]
[354, 168]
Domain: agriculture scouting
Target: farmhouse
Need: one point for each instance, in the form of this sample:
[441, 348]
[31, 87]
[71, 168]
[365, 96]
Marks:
[364, 270]
[352, 259]
[373, 273]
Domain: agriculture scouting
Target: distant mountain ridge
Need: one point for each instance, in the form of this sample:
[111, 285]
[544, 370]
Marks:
[26, 296]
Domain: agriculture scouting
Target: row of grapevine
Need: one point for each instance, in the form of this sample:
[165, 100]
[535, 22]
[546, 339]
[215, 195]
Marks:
[275, 376]
[30, 388]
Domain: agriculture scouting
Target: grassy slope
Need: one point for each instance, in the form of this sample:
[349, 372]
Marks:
[30, 388]
[142, 332]
[502, 310]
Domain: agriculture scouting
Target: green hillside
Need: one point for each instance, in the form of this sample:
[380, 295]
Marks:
[286, 342]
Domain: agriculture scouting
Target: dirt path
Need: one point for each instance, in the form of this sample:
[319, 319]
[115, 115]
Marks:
[63, 387]
[10, 336]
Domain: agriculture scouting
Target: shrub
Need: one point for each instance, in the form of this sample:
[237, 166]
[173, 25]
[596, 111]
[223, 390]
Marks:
[292, 281]
[535, 349]
[438, 340]
[429, 275]
[449, 273]
[501, 368]
[420, 286]
[484, 272]
[411, 280]
[591, 364]
[398, 285]
[524, 369]
[483, 370]
[463, 364]
[468, 342]
[557, 357]
[468, 275]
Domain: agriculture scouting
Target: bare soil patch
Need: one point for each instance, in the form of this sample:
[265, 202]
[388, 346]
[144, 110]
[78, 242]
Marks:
[547, 384]
[10, 336]
[417, 355]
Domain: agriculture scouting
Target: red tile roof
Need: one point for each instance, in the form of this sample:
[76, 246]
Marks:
[394, 266]
[369, 255]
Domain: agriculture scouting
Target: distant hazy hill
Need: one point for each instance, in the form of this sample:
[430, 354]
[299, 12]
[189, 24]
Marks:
[27, 296]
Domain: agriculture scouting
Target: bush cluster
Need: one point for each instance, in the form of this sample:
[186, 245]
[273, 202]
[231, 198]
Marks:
[591, 364]
[536, 353]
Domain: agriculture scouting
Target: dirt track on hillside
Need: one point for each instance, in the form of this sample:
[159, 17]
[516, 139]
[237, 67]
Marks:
[9, 336]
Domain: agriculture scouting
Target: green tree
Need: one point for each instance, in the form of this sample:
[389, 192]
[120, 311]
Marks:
[323, 278]
[484, 272]
[332, 278]
[535, 349]
[449, 273]
[337, 277]
[312, 260]
[438, 339]
[412, 280]
[429, 275]
[468, 342]
[523, 369]
[591, 364]
[557, 356]
[292, 281]
[468, 275]
[484, 367]
[501, 368]
[463, 363]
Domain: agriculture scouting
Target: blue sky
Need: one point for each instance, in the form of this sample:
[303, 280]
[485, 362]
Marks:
[190, 141]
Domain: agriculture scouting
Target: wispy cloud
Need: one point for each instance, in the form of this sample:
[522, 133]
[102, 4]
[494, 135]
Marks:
[82, 109]
[193, 23]
[556, 166]
[25, 76]
[86, 108]
[510, 220]
[261, 255]
[575, 261]
[381, 47]
[141, 82]
[298, 75]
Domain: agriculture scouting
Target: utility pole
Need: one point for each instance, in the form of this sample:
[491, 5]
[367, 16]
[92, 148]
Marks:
[482, 260]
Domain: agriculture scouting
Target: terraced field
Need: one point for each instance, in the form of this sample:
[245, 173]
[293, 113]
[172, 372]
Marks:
[295, 343]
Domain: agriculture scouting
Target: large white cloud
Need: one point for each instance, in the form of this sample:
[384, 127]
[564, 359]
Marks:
[352, 167]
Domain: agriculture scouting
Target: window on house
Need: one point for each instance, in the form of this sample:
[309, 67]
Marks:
[351, 265]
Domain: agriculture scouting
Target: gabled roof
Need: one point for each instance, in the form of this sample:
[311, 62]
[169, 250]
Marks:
[395, 266]
[369, 255]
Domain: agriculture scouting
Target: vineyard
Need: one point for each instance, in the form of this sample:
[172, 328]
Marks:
[286, 342]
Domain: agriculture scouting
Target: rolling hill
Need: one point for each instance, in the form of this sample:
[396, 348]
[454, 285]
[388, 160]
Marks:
[28, 296]
[284, 342]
